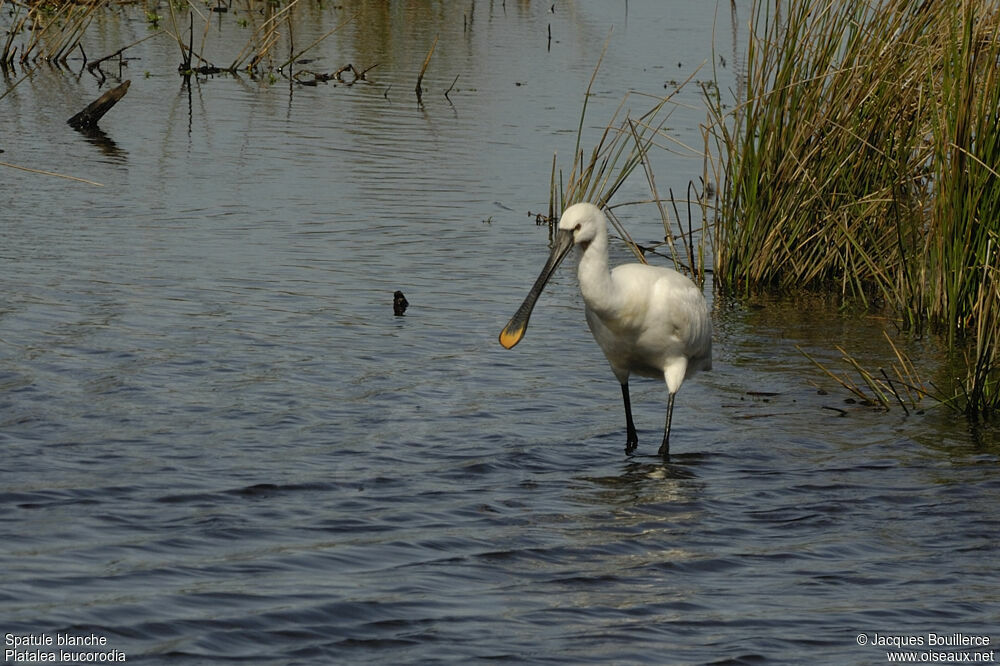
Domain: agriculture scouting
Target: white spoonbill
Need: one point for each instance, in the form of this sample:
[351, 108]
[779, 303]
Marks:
[648, 320]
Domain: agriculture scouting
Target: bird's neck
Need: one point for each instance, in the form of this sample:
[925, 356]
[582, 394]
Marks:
[595, 278]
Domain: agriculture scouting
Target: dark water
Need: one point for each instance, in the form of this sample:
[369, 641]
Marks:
[219, 444]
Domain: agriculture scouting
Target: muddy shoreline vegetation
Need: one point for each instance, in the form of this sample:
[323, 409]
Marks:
[859, 158]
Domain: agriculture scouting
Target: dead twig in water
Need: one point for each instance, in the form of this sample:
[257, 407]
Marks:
[91, 66]
[51, 173]
[298, 55]
[427, 61]
[185, 65]
[336, 76]
[451, 87]
[363, 74]
[88, 118]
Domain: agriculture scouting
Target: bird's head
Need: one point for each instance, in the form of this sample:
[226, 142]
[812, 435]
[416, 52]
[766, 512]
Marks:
[585, 222]
[580, 225]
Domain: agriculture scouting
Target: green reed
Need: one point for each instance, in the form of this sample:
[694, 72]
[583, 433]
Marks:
[863, 159]
[965, 214]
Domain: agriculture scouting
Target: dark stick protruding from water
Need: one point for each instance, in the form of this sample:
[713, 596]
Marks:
[451, 87]
[88, 118]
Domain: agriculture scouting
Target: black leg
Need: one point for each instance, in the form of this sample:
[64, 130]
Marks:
[632, 439]
[665, 447]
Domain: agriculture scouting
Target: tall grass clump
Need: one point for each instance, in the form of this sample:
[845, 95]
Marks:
[48, 31]
[863, 158]
[963, 293]
[819, 182]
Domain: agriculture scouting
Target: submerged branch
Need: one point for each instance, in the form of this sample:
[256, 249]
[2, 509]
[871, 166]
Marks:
[89, 117]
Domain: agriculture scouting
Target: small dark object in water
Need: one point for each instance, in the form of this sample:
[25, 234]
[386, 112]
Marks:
[204, 70]
[399, 304]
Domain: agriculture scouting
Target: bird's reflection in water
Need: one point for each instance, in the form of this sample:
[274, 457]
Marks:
[651, 481]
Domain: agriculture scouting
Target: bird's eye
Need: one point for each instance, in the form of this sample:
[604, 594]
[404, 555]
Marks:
[576, 228]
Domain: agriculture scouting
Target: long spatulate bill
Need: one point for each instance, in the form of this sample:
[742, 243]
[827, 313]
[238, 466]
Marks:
[515, 328]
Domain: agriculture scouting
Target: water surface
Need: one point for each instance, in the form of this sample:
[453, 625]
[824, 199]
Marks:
[220, 444]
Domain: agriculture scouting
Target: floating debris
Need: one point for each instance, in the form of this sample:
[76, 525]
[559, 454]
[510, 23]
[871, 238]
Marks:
[399, 303]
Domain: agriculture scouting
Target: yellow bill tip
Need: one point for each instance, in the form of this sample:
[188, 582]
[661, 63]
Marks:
[509, 338]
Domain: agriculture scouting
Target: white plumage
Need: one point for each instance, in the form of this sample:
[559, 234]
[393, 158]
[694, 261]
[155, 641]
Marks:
[649, 321]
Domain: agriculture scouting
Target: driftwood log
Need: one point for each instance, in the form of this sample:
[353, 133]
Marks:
[87, 119]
